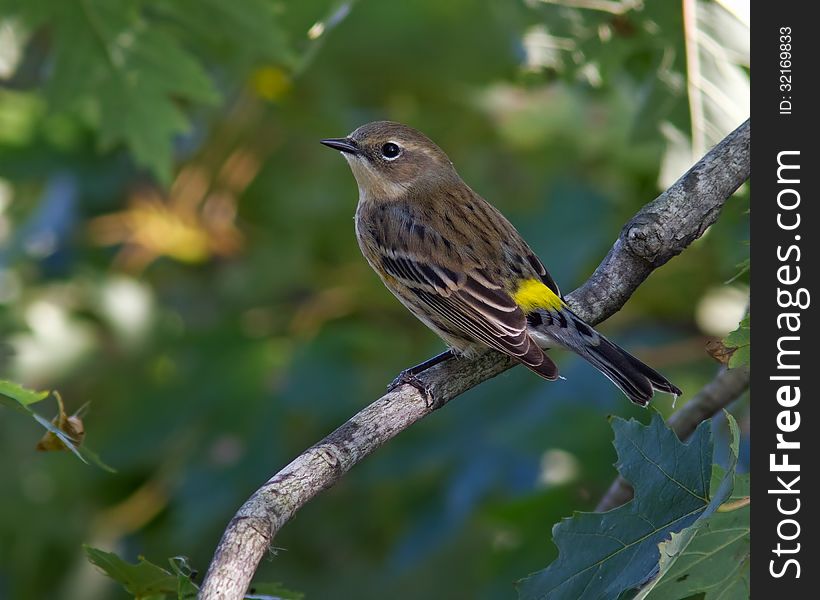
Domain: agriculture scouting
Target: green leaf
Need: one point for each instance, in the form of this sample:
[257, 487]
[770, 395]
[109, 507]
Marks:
[740, 336]
[144, 580]
[124, 72]
[740, 339]
[676, 547]
[710, 558]
[20, 394]
[249, 24]
[147, 581]
[741, 357]
[602, 555]
[15, 396]
[19, 398]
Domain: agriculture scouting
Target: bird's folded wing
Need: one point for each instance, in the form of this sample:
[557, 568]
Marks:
[470, 303]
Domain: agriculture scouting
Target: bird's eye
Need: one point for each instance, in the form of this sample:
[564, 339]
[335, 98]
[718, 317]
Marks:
[390, 150]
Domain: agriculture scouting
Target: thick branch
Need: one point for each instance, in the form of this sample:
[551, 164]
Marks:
[661, 230]
[719, 393]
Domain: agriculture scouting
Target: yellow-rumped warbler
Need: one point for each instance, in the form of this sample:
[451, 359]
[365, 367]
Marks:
[462, 268]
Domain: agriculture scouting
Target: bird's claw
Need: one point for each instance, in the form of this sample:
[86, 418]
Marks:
[407, 377]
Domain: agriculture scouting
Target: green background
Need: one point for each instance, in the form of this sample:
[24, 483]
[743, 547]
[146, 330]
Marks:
[220, 328]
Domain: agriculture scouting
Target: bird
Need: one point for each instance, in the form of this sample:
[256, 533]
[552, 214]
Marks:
[462, 268]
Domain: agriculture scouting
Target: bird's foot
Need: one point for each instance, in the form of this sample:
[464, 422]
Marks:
[408, 377]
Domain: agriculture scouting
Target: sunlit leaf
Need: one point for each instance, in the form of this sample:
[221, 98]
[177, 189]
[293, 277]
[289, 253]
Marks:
[711, 557]
[740, 340]
[21, 395]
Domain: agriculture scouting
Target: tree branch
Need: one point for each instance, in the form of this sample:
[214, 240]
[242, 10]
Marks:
[719, 393]
[659, 231]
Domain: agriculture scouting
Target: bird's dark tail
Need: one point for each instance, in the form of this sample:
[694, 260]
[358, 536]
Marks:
[636, 379]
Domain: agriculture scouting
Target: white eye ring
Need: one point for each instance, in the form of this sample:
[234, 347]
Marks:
[391, 151]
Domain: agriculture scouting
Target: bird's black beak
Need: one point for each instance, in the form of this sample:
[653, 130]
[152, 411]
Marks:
[342, 144]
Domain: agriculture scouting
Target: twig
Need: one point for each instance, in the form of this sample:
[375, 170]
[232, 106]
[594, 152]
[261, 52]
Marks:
[719, 393]
[659, 231]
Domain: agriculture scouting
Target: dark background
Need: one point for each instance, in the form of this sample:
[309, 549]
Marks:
[775, 133]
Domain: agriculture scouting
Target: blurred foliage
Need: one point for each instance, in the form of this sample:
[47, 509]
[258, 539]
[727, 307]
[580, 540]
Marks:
[176, 249]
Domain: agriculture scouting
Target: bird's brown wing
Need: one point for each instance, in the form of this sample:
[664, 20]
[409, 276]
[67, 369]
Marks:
[468, 302]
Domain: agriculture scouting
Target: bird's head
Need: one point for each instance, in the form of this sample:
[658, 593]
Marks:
[389, 160]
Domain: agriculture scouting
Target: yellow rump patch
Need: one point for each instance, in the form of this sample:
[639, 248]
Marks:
[532, 294]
